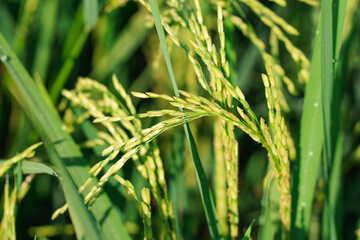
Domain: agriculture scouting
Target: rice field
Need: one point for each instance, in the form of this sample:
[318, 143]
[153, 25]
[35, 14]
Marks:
[174, 119]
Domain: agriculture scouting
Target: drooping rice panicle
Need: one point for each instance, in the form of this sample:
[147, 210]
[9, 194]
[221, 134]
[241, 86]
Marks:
[7, 226]
[248, 31]
[201, 49]
[279, 146]
[269, 17]
[97, 101]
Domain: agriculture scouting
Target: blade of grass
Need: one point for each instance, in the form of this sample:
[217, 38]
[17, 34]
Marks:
[207, 199]
[337, 137]
[65, 70]
[335, 184]
[74, 44]
[91, 12]
[67, 156]
[326, 78]
[330, 37]
[28, 167]
[339, 14]
[84, 222]
[124, 46]
[306, 171]
[311, 142]
[21, 36]
[40, 67]
[248, 232]
[7, 22]
[26, 14]
[77, 25]
[44, 44]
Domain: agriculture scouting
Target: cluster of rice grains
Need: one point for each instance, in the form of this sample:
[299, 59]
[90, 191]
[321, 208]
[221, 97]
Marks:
[128, 138]
[227, 104]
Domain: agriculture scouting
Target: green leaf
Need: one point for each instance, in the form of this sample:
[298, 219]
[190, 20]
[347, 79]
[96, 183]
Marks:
[248, 231]
[91, 12]
[84, 223]
[125, 45]
[67, 67]
[311, 142]
[64, 153]
[207, 199]
[46, 37]
[326, 35]
[29, 167]
[335, 192]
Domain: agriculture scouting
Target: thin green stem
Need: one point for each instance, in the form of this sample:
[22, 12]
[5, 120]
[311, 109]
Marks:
[207, 199]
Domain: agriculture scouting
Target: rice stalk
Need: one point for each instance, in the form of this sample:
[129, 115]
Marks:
[7, 227]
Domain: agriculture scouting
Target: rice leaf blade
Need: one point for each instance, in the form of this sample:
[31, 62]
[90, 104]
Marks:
[46, 37]
[91, 12]
[68, 157]
[68, 65]
[311, 142]
[248, 232]
[124, 46]
[326, 77]
[335, 184]
[327, 81]
[28, 167]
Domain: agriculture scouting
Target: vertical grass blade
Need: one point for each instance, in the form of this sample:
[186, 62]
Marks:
[84, 222]
[208, 202]
[335, 193]
[65, 70]
[311, 142]
[44, 45]
[326, 34]
[248, 232]
[337, 137]
[91, 13]
[64, 152]
[339, 14]
[124, 46]
[319, 106]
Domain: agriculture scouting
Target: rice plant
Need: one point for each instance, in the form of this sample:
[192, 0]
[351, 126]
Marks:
[180, 119]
